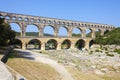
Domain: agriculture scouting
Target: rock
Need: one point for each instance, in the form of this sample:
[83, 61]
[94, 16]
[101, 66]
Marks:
[4, 73]
[99, 72]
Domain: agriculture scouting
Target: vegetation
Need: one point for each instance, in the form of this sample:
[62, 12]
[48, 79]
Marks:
[117, 50]
[76, 35]
[111, 37]
[6, 33]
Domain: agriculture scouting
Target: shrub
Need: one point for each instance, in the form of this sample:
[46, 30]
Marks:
[117, 50]
[111, 55]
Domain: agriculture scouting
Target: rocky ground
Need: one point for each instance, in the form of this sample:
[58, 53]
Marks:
[97, 61]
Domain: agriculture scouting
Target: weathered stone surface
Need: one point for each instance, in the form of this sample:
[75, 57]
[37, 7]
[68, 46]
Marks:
[4, 73]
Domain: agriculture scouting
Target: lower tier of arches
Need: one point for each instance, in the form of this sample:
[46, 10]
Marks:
[55, 43]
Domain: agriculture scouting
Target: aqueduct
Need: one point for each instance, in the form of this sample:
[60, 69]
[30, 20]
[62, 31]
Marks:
[41, 22]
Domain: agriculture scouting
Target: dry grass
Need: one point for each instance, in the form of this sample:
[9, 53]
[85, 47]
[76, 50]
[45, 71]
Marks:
[33, 70]
[78, 75]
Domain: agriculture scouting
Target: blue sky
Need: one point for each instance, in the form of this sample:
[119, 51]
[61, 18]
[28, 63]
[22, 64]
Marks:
[97, 11]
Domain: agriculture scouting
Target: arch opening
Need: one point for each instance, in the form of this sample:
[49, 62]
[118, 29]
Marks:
[32, 30]
[16, 28]
[91, 43]
[80, 44]
[63, 31]
[76, 32]
[17, 43]
[88, 32]
[97, 33]
[106, 32]
[51, 45]
[34, 44]
[48, 31]
[66, 44]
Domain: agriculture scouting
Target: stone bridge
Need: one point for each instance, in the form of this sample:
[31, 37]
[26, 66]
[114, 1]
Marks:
[41, 22]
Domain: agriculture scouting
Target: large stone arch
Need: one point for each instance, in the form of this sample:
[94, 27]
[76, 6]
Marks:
[63, 31]
[49, 30]
[30, 28]
[16, 27]
[89, 32]
[66, 44]
[34, 44]
[76, 32]
[51, 44]
[80, 44]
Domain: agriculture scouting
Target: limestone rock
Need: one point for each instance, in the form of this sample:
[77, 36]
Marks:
[4, 73]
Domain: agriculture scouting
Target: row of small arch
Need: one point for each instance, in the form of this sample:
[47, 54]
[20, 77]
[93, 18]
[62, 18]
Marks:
[59, 22]
[79, 42]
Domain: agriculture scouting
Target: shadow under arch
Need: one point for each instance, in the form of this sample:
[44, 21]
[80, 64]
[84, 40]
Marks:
[80, 44]
[51, 44]
[91, 43]
[34, 44]
[66, 44]
[16, 43]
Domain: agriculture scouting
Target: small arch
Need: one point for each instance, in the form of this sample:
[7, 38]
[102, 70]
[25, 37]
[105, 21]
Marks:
[88, 32]
[7, 17]
[26, 19]
[51, 44]
[48, 30]
[20, 19]
[63, 31]
[14, 18]
[16, 27]
[17, 43]
[34, 44]
[32, 20]
[32, 30]
[80, 44]
[66, 44]
[38, 20]
[91, 43]
[76, 32]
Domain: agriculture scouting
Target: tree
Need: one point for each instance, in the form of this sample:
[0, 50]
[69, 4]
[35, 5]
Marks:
[6, 33]
[111, 37]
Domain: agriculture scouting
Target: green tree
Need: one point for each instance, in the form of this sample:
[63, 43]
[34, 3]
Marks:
[111, 37]
[6, 34]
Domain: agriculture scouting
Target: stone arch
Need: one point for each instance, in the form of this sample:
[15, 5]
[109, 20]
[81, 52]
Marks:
[80, 44]
[32, 30]
[91, 43]
[106, 31]
[97, 32]
[89, 32]
[34, 44]
[76, 32]
[63, 31]
[17, 43]
[66, 44]
[51, 44]
[49, 30]
[7, 17]
[16, 27]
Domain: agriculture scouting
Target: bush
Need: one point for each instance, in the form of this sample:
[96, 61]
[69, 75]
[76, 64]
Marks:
[117, 50]
[91, 52]
[111, 55]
